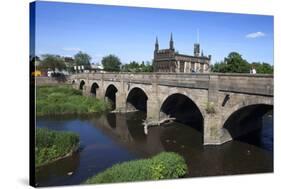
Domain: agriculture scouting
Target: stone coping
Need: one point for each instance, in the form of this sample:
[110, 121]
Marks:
[192, 74]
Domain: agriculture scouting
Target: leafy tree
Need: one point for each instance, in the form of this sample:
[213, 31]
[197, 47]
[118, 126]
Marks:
[82, 59]
[147, 67]
[131, 67]
[136, 67]
[263, 68]
[236, 64]
[111, 63]
[53, 62]
[219, 67]
[233, 63]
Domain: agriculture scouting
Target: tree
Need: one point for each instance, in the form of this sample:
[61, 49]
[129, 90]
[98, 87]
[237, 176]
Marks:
[236, 64]
[233, 63]
[147, 67]
[131, 67]
[53, 62]
[136, 67]
[111, 63]
[263, 68]
[82, 59]
[219, 67]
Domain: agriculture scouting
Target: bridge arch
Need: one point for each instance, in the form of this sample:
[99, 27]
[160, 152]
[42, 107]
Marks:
[184, 109]
[136, 99]
[82, 84]
[246, 118]
[94, 89]
[110, 95]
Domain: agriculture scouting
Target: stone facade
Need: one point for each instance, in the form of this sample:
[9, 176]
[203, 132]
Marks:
[168, 60]
[227, 93]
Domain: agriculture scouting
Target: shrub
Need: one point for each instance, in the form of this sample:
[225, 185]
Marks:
[51, 145]
[166, 165]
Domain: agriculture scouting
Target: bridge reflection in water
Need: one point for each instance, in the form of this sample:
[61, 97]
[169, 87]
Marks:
[187, 141]
[111, 138]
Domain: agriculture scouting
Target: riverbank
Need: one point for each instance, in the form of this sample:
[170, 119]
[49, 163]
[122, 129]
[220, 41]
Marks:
[53, 145]
[58, 100]
[166, 165]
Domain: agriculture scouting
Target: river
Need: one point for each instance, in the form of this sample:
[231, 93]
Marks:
[106, 139]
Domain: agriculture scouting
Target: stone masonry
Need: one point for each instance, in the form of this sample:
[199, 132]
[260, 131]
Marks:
[224, 93]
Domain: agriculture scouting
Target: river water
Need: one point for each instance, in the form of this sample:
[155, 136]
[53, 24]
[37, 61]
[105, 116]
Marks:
[110, 138]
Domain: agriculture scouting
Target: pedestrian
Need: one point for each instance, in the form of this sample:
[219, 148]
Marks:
[254, 70]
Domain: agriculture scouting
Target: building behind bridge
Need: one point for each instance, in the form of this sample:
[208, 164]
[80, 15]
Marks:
[169, 60]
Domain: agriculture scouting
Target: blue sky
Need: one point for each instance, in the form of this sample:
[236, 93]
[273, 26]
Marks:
[129, 32]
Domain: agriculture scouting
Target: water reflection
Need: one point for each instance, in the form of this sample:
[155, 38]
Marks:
[113, 138]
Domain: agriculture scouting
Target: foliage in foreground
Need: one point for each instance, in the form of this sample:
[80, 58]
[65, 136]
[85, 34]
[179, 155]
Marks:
[52, 100]
[166, 165]
[51, 145]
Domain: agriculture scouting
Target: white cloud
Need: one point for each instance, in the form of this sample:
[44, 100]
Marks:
[255, 35]
[71, 49]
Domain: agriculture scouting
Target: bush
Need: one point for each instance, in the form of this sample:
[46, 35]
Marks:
[166, 165]
[52, 100]
[51, 145]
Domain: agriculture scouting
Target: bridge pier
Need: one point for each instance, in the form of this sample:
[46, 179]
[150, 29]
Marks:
[214, 133]
[87, 90]
[153, 102]
[120, 101]
[76, 84]
[99, 94]
[153, 110]
[84, 90]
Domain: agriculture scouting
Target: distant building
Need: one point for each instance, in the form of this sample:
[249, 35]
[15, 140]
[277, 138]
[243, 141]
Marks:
[168, 60]
[96, 67]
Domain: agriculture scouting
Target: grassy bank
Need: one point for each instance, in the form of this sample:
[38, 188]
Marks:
[53, 100]
[166, 165]
[53, 145]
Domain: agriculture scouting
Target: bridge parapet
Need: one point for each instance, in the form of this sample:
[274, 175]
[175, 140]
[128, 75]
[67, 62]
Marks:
[247, 84]
[258, 84]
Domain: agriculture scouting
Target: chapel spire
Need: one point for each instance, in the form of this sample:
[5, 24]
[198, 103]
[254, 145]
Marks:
[171, 42]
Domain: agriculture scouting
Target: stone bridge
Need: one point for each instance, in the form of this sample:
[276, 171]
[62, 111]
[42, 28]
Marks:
[222, 106]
